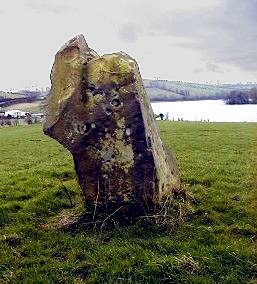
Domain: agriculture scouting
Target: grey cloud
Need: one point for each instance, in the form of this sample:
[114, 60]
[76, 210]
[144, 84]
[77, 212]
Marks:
[129, 32]
[225, 33]
[47, 6]
[213, 67]
[197, 70]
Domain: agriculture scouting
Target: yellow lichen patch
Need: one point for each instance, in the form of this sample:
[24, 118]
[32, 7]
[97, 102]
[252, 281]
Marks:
[115, 153]
[120, 121]
[119, 132]
[125, 156]
[110, 69]
[92, 101]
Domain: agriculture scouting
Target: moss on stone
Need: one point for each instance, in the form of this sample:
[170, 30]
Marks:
[109, 70]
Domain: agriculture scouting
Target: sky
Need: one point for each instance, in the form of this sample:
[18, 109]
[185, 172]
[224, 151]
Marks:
[193, 41]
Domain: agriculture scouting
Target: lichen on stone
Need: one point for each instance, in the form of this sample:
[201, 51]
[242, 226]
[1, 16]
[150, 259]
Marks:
[109, 70]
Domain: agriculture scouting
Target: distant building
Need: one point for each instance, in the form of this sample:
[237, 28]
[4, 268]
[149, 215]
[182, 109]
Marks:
[15, 113]
[41, 115]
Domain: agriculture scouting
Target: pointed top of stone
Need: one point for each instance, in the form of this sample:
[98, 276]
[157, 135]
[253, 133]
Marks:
[79, 42]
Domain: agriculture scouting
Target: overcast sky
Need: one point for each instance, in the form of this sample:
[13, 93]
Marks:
[197, 41]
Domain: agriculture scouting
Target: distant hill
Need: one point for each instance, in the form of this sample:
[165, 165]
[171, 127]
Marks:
[10, 95]
[10, 99]
[157, 90]
[164, 90]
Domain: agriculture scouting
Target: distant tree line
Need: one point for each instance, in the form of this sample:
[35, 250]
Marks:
[242, 97]
[31, 94]
[164, 90]
[5, 102]
[174, 98]
[164, 85]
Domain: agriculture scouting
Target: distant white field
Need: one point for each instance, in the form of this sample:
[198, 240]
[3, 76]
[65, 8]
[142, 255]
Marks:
[27, 107]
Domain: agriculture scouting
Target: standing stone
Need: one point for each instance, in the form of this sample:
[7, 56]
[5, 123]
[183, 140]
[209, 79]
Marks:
[99, 111]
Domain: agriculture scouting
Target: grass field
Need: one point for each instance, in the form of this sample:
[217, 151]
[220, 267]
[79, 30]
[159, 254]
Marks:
[218, 244]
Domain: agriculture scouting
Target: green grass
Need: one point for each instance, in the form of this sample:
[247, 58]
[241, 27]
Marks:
[218, 244]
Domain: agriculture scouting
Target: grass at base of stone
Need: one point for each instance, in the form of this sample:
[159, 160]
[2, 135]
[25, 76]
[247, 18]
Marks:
[218, 244]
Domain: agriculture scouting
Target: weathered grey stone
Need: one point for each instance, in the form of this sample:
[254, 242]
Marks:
[99, 111]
